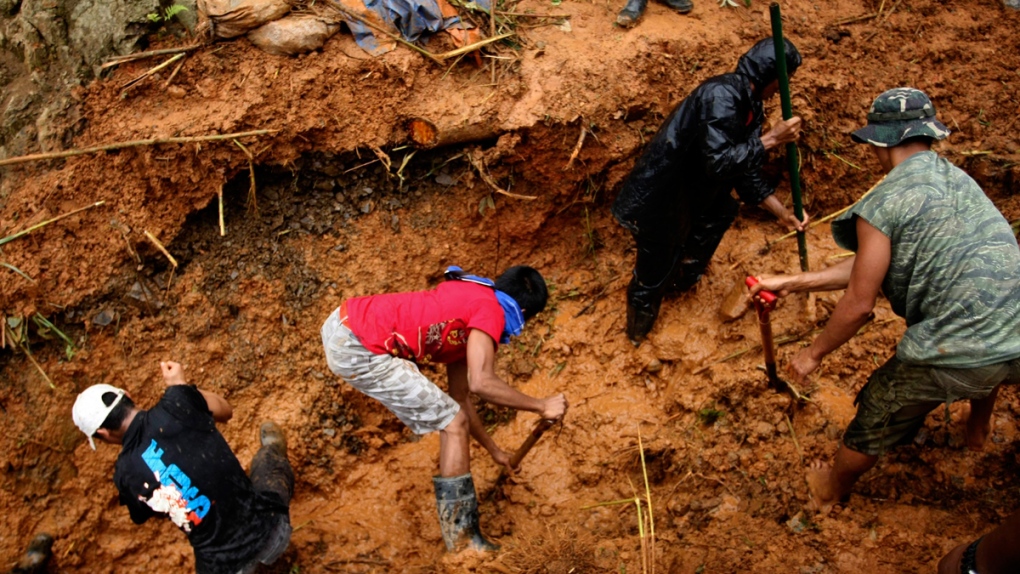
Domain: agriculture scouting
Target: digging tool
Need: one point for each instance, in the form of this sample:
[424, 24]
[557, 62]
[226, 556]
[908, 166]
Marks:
[518, 455]
[792, 156]
[764, 303]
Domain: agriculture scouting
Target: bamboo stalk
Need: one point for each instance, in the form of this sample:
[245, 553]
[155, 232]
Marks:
[133, 143]
[173, 74]
[10, 238]
[159, 246]
[828, 217]
[152, 71]
[223, 227]
[793, 435]
[117, 60]
[473, 47]
[854, 19]
[526, 15]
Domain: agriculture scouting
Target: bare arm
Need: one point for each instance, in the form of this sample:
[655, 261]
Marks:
[785, 216]
[784, 132]
[457, 374]
[828, 279]
[173, 374]
[874, 254]
[483, 381]
[997, 553]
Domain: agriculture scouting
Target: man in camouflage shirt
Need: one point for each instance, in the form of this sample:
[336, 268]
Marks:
[929, 239]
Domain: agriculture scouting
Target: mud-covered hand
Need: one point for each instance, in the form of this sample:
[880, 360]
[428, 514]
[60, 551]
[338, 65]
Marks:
[502, 459]
[790, 221]
[803, 364]
[554, 407]
[784, 132]
[173, 373]
[774, 283]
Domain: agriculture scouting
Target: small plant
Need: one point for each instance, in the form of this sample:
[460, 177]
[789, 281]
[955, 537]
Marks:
[166, 14]
[709, 415]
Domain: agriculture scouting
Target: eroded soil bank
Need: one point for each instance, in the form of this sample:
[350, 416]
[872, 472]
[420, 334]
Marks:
[242, 310]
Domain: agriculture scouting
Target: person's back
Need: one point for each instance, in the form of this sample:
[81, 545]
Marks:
[426, 326]
[175, 462]
[683, 164]
[954, 272]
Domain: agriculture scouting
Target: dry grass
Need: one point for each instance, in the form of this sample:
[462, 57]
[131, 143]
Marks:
[557, 549]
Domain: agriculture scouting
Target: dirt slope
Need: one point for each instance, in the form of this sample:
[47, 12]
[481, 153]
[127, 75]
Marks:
[243, 311]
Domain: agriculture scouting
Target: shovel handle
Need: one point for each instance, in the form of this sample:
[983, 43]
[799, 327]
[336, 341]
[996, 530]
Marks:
[767, 296]
[536, 433]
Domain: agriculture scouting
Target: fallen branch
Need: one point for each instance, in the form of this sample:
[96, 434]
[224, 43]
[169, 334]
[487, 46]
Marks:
[10, 238]
[793, 435]
[117, 60]
[577, 147]
[885, 17]
[253, 205]
[134, 143]
[854, 19]
[159, 246]
[477, 163]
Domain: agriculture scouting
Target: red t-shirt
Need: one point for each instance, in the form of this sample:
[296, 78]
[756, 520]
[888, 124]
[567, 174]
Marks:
[426, 326]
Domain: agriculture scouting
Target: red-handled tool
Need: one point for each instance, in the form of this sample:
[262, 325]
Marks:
[764, 302]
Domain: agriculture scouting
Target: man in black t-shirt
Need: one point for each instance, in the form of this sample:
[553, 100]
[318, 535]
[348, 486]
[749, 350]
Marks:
[176, 464]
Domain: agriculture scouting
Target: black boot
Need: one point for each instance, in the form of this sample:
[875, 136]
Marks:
[681, 6]
[458, 513]
[35, 558]
[631, 13]
[642, 310]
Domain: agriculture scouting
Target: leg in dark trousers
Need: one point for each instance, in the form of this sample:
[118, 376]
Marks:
[271, 472]
[657, 256]
[707, 232]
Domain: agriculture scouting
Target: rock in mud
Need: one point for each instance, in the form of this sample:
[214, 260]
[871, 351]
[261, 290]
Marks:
[735, 304]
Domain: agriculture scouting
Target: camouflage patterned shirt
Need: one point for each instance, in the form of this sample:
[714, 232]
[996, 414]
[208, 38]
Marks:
[955, 268]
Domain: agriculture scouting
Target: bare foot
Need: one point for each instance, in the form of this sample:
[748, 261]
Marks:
[976, 432]
[819, 480]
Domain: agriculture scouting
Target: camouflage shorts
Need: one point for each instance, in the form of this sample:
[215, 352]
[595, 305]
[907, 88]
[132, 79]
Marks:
[893, 404]
[396, 383]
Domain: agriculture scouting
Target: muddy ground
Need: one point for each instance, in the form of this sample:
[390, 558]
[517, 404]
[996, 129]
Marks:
[328, 220]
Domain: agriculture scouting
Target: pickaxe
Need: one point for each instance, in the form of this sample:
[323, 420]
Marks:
[764, 303]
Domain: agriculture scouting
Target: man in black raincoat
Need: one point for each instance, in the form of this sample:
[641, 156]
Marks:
[677, 202]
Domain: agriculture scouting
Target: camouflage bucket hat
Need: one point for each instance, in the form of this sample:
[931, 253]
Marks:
[898, 114]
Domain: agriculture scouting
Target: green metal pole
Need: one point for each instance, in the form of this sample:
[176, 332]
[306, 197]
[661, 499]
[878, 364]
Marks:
[792, 156]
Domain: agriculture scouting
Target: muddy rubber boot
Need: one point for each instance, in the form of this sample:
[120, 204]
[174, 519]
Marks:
[681, 6]
[631, 13]
[270, 434]
[457, 504]
[642, 310]
[35, 558]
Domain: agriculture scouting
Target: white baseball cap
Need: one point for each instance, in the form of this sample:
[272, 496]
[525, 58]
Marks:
[89, 411]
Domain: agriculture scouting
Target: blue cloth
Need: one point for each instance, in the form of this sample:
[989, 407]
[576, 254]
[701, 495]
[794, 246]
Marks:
[513, 317]
[512, 313]
[412, 18]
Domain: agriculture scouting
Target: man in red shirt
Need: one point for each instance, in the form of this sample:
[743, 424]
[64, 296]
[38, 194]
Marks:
[375, 343]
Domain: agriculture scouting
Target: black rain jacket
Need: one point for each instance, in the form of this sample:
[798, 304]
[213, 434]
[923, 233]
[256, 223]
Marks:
[709, 145]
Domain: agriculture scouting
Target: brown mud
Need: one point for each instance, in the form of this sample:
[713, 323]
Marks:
[242, 311]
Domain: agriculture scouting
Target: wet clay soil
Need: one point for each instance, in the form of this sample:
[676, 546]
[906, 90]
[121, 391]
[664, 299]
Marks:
[725, 460]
